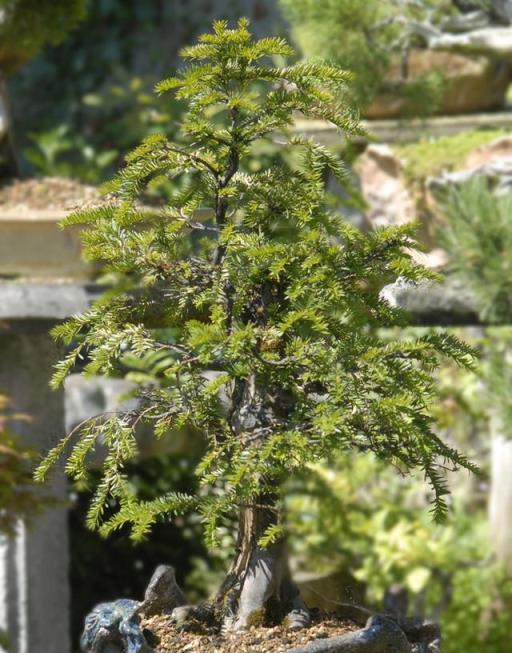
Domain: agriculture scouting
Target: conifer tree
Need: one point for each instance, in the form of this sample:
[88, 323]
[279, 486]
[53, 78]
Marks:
[264, 317]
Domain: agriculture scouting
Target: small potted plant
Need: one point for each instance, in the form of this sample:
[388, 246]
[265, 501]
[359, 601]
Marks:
[266, 310]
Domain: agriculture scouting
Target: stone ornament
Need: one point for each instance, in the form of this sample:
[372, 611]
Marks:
[114, 628]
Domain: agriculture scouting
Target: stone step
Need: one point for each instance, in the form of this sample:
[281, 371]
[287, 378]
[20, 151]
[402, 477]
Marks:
[402, 131]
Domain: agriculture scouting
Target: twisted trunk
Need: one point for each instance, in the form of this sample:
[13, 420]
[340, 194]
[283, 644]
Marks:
[258, 587]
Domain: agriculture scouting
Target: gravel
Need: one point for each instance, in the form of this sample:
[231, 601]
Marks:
[276, 639]
[46, 193]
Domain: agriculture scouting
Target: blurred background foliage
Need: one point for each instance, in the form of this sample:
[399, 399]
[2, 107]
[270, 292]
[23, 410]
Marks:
[78, 107]
[18, 498]
[90, 100]
[477, 235]
[367, 38]
[27, 25]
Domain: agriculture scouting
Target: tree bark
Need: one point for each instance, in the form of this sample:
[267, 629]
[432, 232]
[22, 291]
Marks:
[9, 166]
[258, 588]
[256, 572]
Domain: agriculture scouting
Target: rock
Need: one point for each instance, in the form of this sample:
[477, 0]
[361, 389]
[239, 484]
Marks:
[436, 259]
[163, 593]
[473, 83]
[182, 614]
[475, 19]
[492, 161]
[299, 615]
[424, 635]
[384, 189]
[193, 618]
[498, 174]
[429, 303]
[493, 12]
[497, 149]
[388, 198]
[501, 10]
[492, 42]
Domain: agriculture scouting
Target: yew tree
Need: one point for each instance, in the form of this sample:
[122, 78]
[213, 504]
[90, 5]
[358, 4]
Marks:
[264, 307]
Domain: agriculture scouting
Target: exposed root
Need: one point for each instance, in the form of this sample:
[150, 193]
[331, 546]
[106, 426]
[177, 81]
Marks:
[261, 582]
[381, 635]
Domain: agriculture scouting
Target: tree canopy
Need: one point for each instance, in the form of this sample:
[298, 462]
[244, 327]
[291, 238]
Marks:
[259, 304]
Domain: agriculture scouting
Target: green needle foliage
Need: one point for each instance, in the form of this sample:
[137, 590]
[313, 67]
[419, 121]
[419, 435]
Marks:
[478, 238]
[264, 305]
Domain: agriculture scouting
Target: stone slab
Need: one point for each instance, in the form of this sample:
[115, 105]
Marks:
[434, 304]
[35, 305]
[33, 244]
[402, 131]
[43, 301]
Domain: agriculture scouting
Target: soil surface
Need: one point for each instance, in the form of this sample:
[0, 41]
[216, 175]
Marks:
[46, 193]
[167, 639]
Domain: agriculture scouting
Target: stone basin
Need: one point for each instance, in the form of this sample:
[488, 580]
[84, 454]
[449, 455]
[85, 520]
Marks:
[473, 83]
[32, 244]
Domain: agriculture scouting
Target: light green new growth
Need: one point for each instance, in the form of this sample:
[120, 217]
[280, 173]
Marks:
[265, 313]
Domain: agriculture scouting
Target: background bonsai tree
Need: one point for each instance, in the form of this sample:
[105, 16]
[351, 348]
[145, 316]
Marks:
[25, 26]
[264, 308]
[376, 39]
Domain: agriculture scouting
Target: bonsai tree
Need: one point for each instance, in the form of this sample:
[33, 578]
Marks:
[374, 39]
[348, 37]
[25, 26]
[265, 310]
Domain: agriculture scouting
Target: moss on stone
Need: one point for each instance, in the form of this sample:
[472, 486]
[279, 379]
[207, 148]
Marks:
[429, 157]
[256, 618]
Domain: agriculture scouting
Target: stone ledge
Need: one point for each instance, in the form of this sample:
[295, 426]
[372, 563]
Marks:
[434, 304]
[43, 301]
[402, 131]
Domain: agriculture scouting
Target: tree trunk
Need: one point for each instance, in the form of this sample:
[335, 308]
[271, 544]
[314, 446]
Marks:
[258, 588]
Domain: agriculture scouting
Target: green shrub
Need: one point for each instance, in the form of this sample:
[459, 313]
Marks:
[477, 235]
